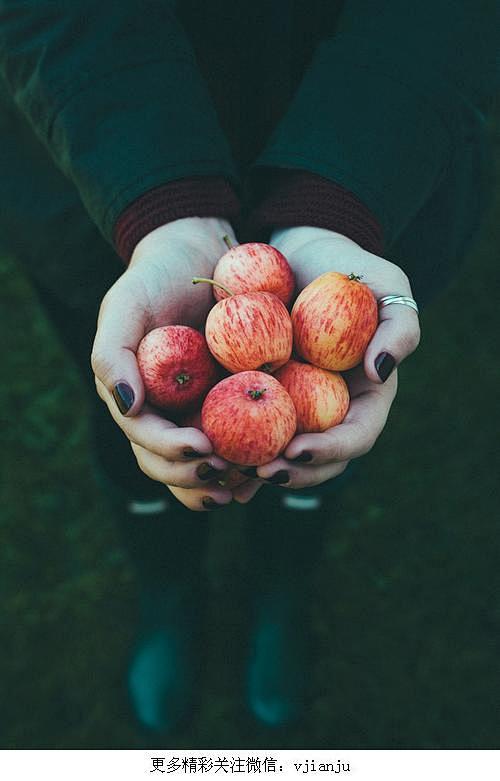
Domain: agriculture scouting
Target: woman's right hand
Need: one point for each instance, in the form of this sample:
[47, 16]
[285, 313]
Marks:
[156, 290]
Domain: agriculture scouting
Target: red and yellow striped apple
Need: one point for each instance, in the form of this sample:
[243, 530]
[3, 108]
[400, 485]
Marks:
[249, 331]
[334, 319]
[254, 267]
[249, 418]
[320, 397]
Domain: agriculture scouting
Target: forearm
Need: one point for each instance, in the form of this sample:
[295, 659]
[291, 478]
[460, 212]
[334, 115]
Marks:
[99, 83]
[382, 110]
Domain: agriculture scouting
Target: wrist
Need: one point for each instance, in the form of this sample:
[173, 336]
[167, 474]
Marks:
[204, 236]
[290, 240]
[206, 197]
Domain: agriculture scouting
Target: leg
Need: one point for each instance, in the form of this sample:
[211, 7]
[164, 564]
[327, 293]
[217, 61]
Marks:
[286, 533]
[43, 224]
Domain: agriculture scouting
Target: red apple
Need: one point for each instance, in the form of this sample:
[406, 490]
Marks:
[249, 331]
[334, 318]
[254, 267]
[320, 397]
[249, 418]
[176, 367]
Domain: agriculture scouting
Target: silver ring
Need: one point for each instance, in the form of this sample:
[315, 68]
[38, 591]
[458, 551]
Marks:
[395, 299]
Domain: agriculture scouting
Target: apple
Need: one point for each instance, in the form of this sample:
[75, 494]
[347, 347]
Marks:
[250, 331]
[254, 267]
[249, 418]
[320, 397]
[176, 366]
[333, 319]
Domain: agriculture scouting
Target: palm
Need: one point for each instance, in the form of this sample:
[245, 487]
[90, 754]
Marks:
[157, 288]
[331, 253]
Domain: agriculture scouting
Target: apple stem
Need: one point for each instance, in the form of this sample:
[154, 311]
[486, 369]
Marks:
[256, 393]
[182, 378]
[227, 241]
[195, 281]
[355, 277]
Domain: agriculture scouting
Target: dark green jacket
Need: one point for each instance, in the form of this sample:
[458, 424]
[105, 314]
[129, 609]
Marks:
[376, 96]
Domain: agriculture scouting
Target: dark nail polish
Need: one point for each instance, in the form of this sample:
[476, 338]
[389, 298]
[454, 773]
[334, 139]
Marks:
[280, 477]
[124, 396]
[209, 503]
[248, 471]
[192, 454]
[384, 364]
[207, 472]
[304, 457]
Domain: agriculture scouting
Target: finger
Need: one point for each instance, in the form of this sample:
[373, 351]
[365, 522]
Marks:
[352, 438]
[282, 472]
[397, 336]
[113, 353]
[244, 493]
[211, 497]
[176, 473]
[152, 432]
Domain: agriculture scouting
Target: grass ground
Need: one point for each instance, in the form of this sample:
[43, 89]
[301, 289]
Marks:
[407, 598]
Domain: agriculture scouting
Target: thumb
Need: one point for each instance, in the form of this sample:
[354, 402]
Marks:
[397, 336]
[120, 328]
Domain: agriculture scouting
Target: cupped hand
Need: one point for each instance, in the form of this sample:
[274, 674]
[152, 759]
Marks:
[314, 251]
[311, 459]
[156, 290]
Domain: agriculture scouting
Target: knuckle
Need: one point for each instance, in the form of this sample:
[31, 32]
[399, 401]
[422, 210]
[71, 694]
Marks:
[244, 499]
[192, 503]
[100, 390]
[338, 453]
[367, 445]
[410, 341]
[417, 335]
[101, 365]
[367, 439]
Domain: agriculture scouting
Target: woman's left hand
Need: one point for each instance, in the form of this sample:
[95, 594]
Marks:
[311, 459]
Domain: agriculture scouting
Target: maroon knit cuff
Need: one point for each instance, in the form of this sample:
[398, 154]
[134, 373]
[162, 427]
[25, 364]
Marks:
[195, 196]
[295, 197]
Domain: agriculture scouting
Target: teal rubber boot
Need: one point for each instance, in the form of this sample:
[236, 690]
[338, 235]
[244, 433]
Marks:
[280, 659]
[164, 673]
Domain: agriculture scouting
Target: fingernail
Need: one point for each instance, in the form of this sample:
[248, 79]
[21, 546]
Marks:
[188, 453]
[124, 396]
[279, 477]
[303, 457]
[248, 471]
[208, 472]
[384, 364]
[209, 503]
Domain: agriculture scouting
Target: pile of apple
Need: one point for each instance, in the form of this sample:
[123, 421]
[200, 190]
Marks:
[266, 397]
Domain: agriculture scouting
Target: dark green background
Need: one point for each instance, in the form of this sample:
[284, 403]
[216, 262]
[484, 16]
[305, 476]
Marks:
[407, 603]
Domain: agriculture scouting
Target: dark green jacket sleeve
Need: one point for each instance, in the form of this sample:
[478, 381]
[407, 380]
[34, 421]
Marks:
[113, 90]
[380, 110]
